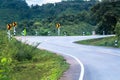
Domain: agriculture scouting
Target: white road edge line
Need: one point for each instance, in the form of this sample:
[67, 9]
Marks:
[81, 77]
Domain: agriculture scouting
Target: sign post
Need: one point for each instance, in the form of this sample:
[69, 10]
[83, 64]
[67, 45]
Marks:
[9, 35]
[9, 26]
[58, 31]
[58, 28]
[14, 25]
[14, 31]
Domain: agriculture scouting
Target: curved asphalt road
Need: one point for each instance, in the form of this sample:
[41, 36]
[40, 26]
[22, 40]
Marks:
[100, 63]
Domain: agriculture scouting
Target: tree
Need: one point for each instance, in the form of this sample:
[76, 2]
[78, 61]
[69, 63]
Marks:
[106, 15]
[65, 13]
[109, 0]
[117, 30]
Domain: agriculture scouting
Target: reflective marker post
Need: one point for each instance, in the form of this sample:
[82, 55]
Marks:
[116, 43]
[36, 33]
[103, 32]
[9, 26]
[93, 32]
[83, 33]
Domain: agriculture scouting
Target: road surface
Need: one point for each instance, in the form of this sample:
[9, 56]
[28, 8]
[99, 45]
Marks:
[100, 63]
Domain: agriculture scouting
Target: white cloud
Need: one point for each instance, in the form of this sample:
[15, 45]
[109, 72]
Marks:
[40, 2]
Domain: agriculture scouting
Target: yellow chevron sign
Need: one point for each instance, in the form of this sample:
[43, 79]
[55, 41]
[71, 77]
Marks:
[14, 24]
[58, 25]
[9, 26]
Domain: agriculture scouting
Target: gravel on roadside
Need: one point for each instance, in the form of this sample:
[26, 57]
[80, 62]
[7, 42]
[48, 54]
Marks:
[73, 73]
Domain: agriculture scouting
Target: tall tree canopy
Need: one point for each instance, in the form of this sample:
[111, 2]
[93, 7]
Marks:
[106, 15]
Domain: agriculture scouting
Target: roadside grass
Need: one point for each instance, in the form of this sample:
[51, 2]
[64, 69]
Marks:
[44, 66]
[29, 62]
[107, 41]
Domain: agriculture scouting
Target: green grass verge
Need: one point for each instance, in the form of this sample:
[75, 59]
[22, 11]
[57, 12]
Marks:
[108, 41]
[28, 62]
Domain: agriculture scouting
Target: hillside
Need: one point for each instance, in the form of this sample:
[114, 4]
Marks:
[46, 16]
[12, 10]
[68, 14]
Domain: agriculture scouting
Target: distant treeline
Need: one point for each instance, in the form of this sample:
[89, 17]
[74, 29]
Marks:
[75, 17]
[41, 18]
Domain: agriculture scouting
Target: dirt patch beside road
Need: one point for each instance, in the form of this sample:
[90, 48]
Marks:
[73, 73]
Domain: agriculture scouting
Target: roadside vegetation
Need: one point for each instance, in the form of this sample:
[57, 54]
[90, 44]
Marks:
[74, 17]
[23, 62]
[107, 15]
[108, 41]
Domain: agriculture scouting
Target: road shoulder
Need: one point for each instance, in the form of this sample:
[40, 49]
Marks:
[73, 73]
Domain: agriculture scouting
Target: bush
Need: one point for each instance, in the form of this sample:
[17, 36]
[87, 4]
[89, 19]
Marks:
[117, 30]
[24, 52]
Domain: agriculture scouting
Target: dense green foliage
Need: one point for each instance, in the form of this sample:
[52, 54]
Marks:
[41, 20]
[109, 42]
[23, 62]
[66, 13]
[12, 10]
[106, 15]
[46, 16]
[117, 30]
[80, 0]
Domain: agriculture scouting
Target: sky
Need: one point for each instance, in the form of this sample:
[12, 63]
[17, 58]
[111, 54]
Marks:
[40, 2]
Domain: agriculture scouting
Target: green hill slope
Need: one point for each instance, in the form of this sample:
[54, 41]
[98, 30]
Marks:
[66, 13]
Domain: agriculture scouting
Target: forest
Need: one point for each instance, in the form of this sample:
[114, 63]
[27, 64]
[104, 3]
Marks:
[75, 17]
